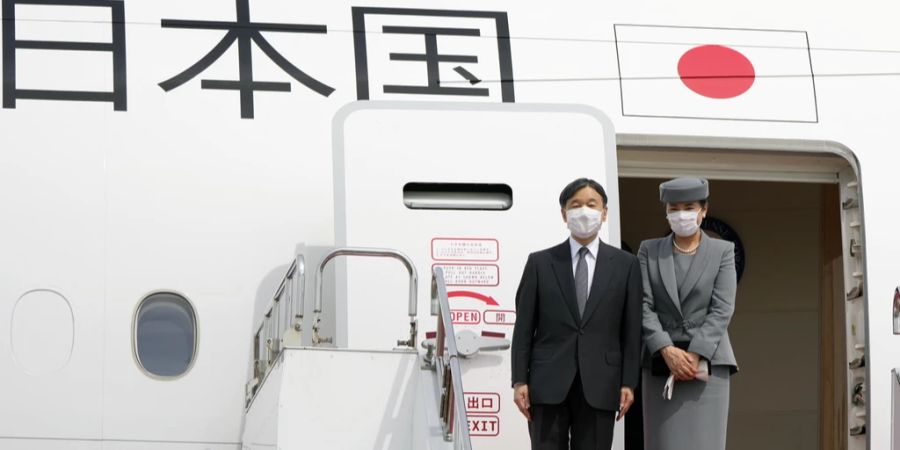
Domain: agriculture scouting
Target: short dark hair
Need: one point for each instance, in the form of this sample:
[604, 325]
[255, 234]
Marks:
[569, 191]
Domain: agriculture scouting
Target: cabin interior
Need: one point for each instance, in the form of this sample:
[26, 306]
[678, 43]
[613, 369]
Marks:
[788, 330]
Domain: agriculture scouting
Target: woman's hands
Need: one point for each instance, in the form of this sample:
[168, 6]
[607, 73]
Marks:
[684, 365]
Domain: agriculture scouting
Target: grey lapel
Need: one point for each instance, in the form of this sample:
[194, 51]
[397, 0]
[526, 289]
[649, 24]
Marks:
[698, 266]
[603, 275]
[562, 268]
[666, 262]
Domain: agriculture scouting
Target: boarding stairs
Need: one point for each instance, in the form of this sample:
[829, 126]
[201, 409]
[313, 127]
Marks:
[315, 395]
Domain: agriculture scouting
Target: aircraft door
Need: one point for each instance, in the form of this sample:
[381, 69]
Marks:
[472, 188]
[52, 291]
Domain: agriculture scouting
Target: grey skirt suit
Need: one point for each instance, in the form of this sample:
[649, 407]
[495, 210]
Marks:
[688, 299]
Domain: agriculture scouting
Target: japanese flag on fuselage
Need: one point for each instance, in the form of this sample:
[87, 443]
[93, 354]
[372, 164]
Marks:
[715, 73]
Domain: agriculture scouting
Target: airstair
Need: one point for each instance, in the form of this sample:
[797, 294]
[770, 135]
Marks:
[305, 392]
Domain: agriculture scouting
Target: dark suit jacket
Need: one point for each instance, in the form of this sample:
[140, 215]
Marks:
[551, 344]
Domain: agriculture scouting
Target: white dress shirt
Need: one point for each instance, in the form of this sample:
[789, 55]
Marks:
[590, 258]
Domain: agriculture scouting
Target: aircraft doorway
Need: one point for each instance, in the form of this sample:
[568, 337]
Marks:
[788, 330]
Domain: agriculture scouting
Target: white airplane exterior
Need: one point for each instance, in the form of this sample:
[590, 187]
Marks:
[161, 161]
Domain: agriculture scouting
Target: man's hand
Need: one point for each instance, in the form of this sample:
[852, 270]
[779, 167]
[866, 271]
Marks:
[523, 400]
[626, 399]
[679, 363]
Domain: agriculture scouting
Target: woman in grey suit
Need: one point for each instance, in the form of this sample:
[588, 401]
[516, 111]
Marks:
[689, 283]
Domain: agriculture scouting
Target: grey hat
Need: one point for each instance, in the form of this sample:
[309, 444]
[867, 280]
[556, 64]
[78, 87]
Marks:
[683, 190]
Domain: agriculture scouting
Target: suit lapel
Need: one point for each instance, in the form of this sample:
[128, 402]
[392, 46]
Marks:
[698, 266]
[562, 268]
[667, 270]
[603, 275]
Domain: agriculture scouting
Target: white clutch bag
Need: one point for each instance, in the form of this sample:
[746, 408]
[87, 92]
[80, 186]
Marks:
[704, 371]
[670, 382]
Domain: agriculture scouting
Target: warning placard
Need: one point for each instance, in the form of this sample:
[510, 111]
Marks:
[465, 249]
[484, 425]
[471, 274]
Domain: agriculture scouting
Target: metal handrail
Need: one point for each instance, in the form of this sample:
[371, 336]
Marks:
[285, 311]
[376, 253]
[454, 419]
[298, 301]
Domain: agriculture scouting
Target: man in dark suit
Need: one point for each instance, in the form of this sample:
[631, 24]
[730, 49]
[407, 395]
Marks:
[577, 339]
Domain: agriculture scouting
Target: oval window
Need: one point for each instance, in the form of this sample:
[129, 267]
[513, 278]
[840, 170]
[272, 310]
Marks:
[165, 334]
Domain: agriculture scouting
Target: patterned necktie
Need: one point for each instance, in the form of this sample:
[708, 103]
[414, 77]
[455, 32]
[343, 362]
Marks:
[581, 280]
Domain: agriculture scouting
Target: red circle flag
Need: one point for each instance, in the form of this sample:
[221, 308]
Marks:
[716, 71]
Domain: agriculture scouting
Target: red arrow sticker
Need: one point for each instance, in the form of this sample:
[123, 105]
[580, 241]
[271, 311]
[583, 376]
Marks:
[475, 295]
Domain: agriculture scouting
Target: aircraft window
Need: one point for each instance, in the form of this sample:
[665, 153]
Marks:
[465, 196]
[165, 335]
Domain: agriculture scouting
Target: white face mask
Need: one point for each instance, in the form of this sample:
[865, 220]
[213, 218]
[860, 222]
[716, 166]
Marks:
[684, 223]
[583, 222]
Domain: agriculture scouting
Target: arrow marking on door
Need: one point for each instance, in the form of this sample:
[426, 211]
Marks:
[485, 298]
